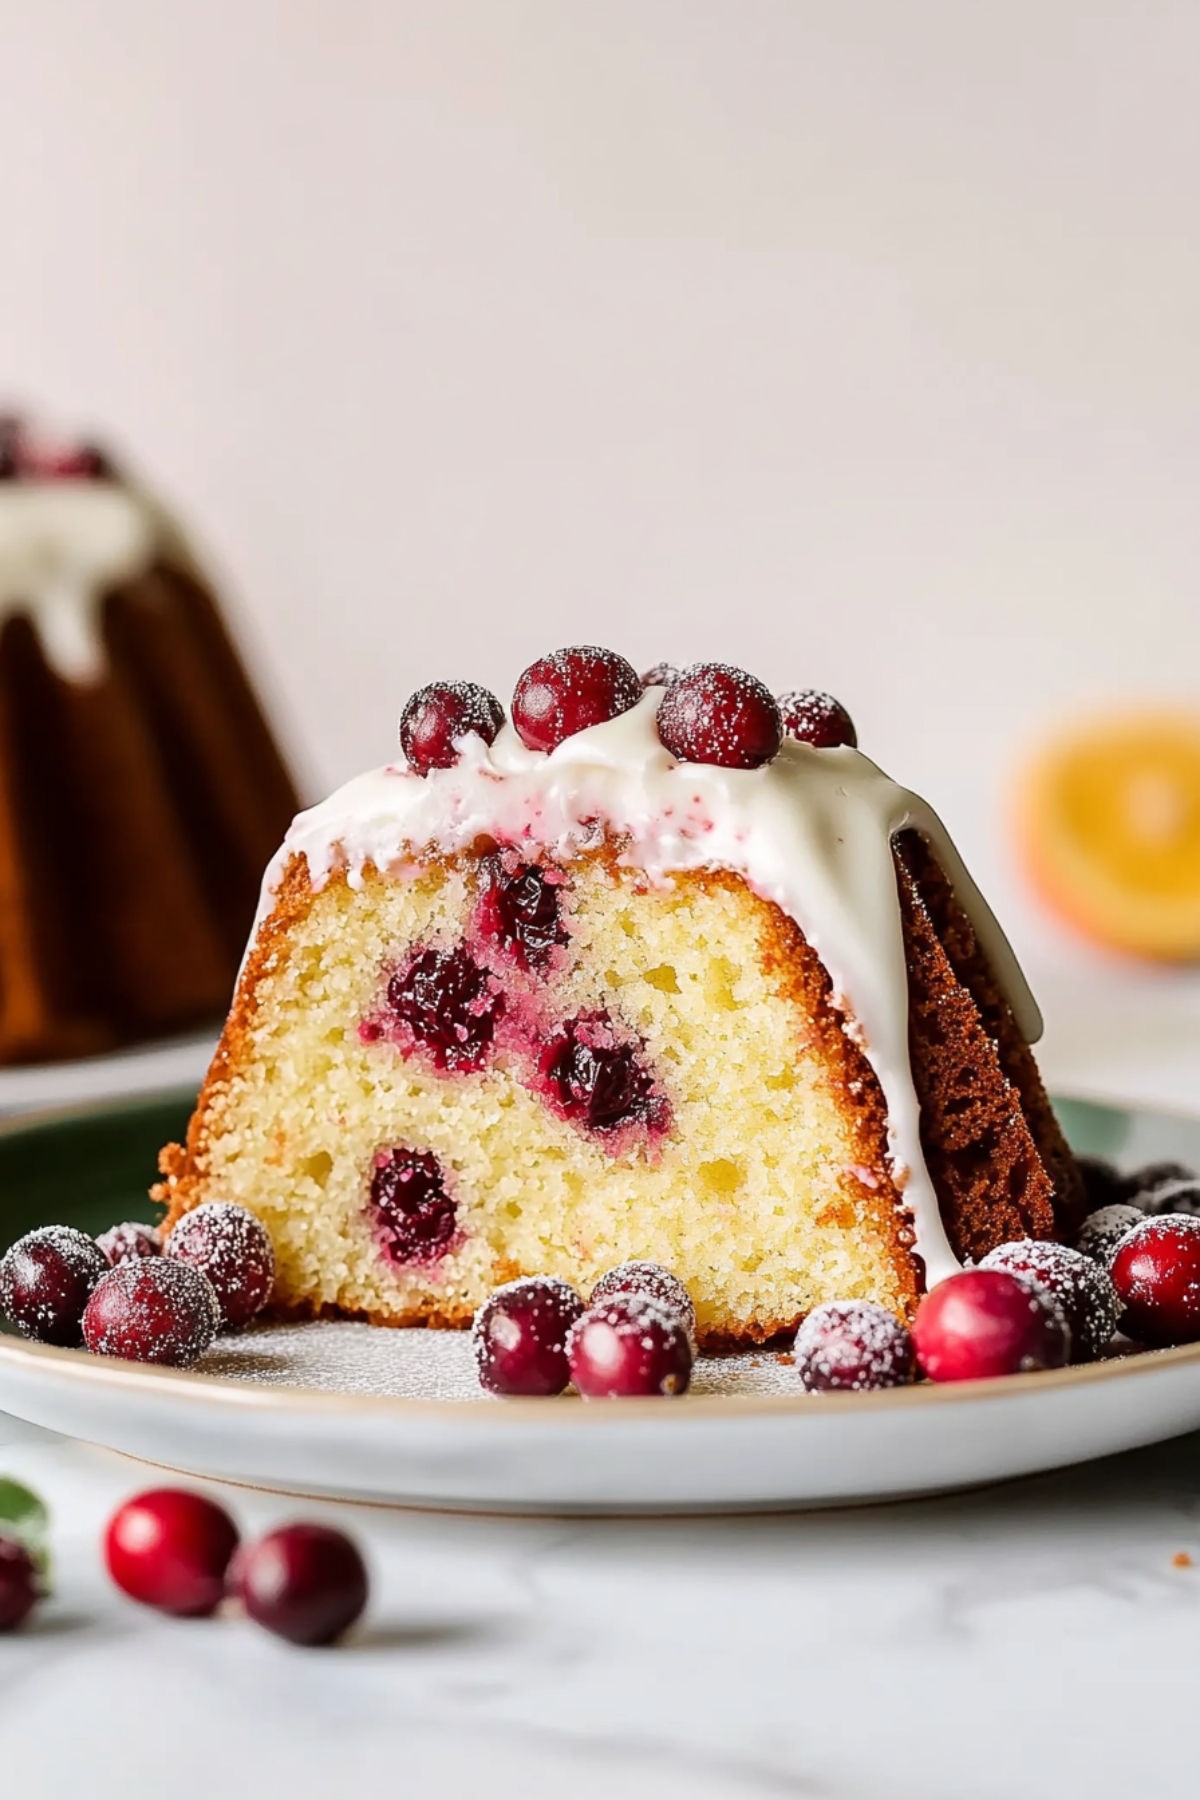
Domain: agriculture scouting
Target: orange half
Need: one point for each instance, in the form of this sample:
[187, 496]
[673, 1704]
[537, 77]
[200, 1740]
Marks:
[1109, 820]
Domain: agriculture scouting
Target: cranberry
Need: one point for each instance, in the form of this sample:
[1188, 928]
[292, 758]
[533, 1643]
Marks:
[520, 909]
[852, 1345]
[519, 1336]
[1103, 1184]
[306, 1583]
[629, 1345]
[20, 1583]
[233, 1248]
[565, 693]
[171, 1548]
[597, 1079]
[1156, 1272]
[437, 716]
[1175, 1196]
[661, 675]
[124, 1243]
[648, 1278]
[152, 1310]
[1080, 1285]
[985, 1322]
[817, 719]
[1152, 1176]
[450, 1005]
[415, 1218]
[717, 714]
[45, 1281]
[1102, 1231]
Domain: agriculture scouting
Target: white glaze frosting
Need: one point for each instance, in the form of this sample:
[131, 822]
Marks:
[811, 831]
[63, 544]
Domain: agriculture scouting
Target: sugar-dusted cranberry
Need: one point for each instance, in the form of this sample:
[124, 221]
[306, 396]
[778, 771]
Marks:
[629, 1345]
[852, 1345]
[597, 1078]
[1152, 1176]
[152, 1310]
[1177, 1195]
[1156, 1272]
[171, 1548]
[718, 714]
[520, 1336]
[234, 1249]
[570, 690]
[306, 1583]
[20, 1583]
[1102, 1231]
[985, 1322]
[1103, 1184]
[521, 910]
[648, 1278]
[124, 1243]
[415, 1218]
[450, 1004]
[661, 675]
[437, 717]
[1080, 1285]
[817, 719]
[46, 1279]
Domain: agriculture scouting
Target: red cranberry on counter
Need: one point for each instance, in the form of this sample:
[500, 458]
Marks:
[519, 1337]
[718, 714]
[306, 1583]
[152, 1310]
[648, 1278]
[1080, 1285]
[629, 1345]
[1156, 1272]
[20, 1583]
[817, 719]
[171, 1548]
[1102, 1231]
[234, 1249]
[852, 1345]
[571, 690]
[124, 1243]
[46, 1279]
[438, 716]
[985, 1322]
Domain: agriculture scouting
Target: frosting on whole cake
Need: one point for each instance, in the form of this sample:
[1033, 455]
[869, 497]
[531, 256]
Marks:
[812, 831]
[63, 545]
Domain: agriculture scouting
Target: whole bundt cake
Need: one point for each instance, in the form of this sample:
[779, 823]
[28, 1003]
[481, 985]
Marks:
[141, 789]
[641, 974]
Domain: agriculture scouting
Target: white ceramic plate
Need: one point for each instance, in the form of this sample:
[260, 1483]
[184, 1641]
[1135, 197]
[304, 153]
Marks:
[150, 1069]
[396, 1417]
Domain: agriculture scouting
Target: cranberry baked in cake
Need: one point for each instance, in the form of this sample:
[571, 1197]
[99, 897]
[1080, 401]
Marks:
[641, 974]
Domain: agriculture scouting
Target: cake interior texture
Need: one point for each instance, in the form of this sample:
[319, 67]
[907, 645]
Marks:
[646, 1069]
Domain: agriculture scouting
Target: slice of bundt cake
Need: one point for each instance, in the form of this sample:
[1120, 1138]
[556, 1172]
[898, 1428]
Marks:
[141, 790]
[636, 976]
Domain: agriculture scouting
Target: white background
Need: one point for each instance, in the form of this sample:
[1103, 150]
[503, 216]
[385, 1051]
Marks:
[856, 343]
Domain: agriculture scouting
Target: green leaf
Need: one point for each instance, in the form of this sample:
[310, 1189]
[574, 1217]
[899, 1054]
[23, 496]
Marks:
[24, 1516]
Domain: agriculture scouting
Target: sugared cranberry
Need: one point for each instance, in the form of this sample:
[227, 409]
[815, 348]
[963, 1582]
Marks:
[171, 1548]
[717, 714]
[124, 1243]
[438, 716]
[1102, 1231]
[597, 1078]
[152, 1310]
[1174, 1196]
[306, 1583]
[852, 1345]
[46, 1279]
[1156, 1272]
[648, 1278]
[661, 675]
[817, 719]
[450, 1005]
[415, 1218]
[1103, 1184]
[629, 1345]
[234, 1249]
[1150, 1177]
[520, 1336]
[985, 1322]
[521, 909]
[20, 1583]
[565, 693]
[1080, 1285]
